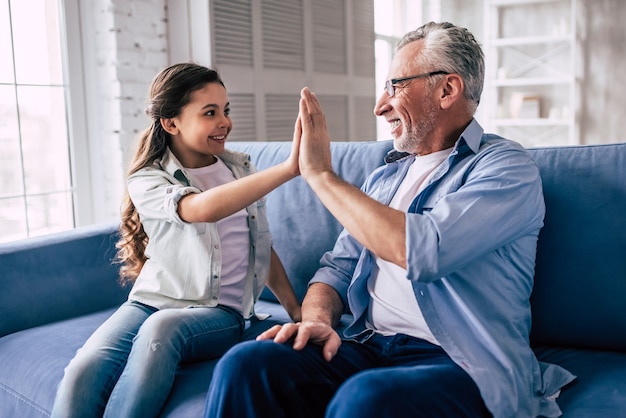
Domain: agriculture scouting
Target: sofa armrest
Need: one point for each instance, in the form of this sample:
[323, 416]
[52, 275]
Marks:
[58, 276]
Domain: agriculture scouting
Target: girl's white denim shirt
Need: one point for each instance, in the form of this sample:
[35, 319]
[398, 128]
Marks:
[184, 259]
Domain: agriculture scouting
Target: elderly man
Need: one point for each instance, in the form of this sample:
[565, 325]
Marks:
[435, 263]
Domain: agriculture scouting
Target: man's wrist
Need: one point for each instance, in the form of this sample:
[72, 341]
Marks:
[322, 177]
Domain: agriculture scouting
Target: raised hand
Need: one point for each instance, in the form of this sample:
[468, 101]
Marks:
[293, 161]
[315, 156]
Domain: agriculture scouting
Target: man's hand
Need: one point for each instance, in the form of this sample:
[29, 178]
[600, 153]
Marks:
[304, 332]
[315, 156]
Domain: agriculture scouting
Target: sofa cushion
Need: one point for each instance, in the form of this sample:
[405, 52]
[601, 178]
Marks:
[600, 387]
[579, 298]
[33, 361]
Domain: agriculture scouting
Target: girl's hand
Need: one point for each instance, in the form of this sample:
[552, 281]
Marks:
[293, 159]
[296, 314]
[315, 155]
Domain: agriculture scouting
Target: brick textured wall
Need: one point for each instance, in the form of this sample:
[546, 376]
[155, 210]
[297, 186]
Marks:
[129, 44]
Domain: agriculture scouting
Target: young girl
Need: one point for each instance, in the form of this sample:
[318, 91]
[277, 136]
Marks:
[195, 242]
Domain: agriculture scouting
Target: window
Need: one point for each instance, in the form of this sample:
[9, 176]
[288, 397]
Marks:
[36, 189]
[392, 20]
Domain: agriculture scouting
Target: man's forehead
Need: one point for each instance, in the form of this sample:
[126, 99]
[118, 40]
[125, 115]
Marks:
[405, 60]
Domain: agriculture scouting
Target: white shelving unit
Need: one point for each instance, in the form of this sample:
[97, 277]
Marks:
[531, 86]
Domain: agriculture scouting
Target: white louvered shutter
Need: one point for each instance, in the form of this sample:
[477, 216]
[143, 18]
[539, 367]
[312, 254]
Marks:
[267, 50]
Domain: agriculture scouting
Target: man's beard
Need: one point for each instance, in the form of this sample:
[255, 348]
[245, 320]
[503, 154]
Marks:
[412, 138]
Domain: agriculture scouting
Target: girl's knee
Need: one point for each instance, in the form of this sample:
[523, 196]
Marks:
[162, 327]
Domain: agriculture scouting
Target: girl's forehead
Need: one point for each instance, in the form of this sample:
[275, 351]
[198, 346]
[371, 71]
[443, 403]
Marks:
[213, 93]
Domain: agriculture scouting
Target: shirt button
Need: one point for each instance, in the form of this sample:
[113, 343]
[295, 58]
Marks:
[215, 276]
[214, 298]
[217, 247]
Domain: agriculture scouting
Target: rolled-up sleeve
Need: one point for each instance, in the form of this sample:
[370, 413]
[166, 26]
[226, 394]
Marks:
[156, 196]
[488, 202]
[337, 267]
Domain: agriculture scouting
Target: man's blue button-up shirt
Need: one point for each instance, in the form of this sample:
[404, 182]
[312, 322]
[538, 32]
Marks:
[471, 238]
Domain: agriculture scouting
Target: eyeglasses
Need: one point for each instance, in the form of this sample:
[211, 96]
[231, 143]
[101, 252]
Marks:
[390, 85]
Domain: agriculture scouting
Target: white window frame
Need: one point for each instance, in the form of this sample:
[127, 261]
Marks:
[77, 112]
[80, 187]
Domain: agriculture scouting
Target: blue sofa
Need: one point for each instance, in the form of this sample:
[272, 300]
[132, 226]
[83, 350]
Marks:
[55, 290]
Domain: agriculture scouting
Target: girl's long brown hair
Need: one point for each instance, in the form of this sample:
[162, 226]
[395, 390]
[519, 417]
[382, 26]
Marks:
[169, 92]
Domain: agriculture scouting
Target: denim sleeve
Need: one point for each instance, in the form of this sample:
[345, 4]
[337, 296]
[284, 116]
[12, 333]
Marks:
[337, 266]
[483, 204]
[155, 194]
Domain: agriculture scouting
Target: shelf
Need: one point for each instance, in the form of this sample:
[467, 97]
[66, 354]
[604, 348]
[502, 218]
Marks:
[502, 3]
[531, 122]
[542, 81]
[531, 40]
[532, 48]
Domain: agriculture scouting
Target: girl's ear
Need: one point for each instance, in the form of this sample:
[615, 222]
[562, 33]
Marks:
[452, 90]
[169, 125]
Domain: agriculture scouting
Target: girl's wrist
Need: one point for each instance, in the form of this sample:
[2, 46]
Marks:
[289, 169]
[296, 316]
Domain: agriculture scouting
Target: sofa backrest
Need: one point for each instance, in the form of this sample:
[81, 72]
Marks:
[58, 276]
[579, 298]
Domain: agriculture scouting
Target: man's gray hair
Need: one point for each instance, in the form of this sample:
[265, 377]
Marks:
[452, 49]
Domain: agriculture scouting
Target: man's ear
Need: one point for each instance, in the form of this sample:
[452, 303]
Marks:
[453, 87]
[169, 125]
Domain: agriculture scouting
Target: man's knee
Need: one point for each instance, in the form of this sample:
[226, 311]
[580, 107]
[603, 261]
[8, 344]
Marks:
[365, 391]
[387, 393]
[249, 357]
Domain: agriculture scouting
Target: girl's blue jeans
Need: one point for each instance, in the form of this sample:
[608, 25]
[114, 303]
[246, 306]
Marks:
[127, 367]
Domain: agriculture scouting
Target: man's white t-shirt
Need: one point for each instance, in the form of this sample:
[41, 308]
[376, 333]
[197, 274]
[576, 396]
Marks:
[393, 308]
[234, 237]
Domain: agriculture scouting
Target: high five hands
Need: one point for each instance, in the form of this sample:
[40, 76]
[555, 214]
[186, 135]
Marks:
[311, 135]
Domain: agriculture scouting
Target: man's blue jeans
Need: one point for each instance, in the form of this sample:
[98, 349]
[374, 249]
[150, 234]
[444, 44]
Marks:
[396, 376]
[127, 367]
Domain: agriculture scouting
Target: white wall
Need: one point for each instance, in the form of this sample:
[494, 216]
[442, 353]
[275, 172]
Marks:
[124, 45]
[603, 89]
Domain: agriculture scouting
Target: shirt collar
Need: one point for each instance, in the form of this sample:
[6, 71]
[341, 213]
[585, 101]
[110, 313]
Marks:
[171, 165]
[471, 136]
